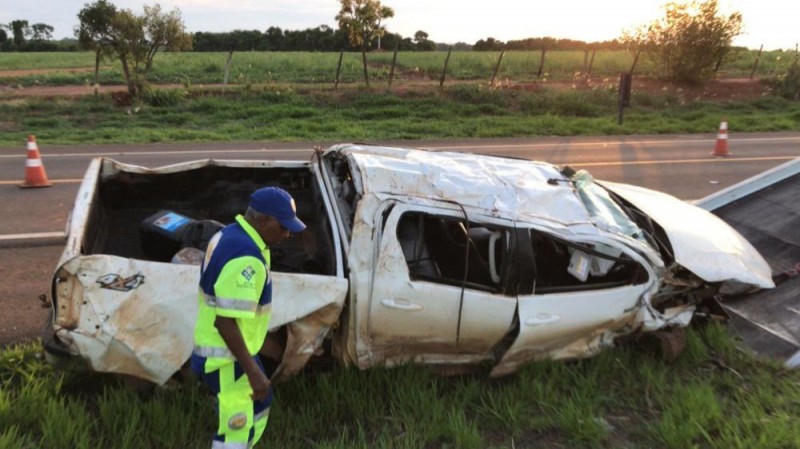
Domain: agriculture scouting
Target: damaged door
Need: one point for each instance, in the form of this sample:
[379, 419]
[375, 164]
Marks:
[578, 297]
[431, 300]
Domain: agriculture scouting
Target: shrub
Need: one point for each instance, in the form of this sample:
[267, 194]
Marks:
[163, 97]
[688, 41]
[788, 84]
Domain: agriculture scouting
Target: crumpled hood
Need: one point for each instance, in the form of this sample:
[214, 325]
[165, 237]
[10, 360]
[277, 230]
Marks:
[702, 243]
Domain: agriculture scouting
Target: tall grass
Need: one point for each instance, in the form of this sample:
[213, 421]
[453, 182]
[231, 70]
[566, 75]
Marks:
[714, 396]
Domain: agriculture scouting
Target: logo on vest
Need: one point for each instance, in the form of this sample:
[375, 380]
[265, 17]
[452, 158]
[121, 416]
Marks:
[248, 272]
[238, 421]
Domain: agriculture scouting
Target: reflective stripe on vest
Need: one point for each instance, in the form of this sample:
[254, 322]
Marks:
[210, 351]
[232, 445]
[262, 415]
[236, 304]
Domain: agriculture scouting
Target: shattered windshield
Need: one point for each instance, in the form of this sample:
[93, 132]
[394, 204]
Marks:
[605, 212]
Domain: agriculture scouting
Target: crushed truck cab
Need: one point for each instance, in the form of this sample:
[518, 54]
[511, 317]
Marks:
[410, 256]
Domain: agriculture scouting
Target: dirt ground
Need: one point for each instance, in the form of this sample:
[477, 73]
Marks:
[22, 281]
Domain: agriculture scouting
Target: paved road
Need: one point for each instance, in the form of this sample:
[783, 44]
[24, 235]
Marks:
[677, 164]
[680, 165]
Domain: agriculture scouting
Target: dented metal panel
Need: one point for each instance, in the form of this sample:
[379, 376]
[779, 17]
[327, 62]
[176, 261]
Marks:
[137, 317]
[702, 243]
[134, 317]
[570, 325]
[496, 186]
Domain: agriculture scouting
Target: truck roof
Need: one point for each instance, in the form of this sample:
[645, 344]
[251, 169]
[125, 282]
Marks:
[502, 187]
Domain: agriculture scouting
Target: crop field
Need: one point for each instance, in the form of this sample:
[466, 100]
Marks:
[714, 396]
[304, 67]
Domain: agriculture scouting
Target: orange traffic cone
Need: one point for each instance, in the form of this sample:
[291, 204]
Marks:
[721, 147]
[35, 175]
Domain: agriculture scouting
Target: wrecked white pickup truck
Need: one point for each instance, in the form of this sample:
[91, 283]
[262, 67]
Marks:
[409, 256]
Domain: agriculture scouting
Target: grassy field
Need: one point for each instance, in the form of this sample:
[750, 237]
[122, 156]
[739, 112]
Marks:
[275, 112]
[714, 396]
[303, 67]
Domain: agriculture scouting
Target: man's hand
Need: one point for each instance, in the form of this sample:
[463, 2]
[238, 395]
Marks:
[233, 339]
[259, 383]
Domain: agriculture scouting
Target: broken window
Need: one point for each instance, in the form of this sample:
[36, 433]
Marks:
[453, 251]
[560, 265]
[346, 194]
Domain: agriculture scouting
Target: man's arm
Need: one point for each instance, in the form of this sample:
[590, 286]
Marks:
[229, 331]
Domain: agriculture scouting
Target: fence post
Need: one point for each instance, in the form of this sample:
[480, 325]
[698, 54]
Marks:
[585, 61]
[719, 63]
[227, 68]
[444, 69]
[338, 69]
[591, 63]
[496, 68]
[394, 61]
[635, 60]
[755, 64]
[96, 71]
[364, 60]
[541, 63]
[624, 99]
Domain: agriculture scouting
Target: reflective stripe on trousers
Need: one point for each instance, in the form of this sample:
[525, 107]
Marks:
[220, 445]
[241, 421]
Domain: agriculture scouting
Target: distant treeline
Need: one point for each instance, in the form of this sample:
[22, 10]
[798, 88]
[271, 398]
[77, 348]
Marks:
[545, 43]
[321, 38]
[325, 39]
[40, 45]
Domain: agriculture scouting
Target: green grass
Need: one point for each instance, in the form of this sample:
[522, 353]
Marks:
[275, 112]
[714, 396]
[306, 67]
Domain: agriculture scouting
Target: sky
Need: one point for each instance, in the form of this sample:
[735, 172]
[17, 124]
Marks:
[772, 23]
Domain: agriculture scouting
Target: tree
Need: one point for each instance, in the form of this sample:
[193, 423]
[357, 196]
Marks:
[274, 37]
[19, 28]
[362, 21]
[41, 32]
[688, 41]
[422, 42]
[490, 44]
[131, 38]
[3, 35]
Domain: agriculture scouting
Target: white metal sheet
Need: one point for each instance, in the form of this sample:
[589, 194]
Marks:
[137, 317]
[702, 243]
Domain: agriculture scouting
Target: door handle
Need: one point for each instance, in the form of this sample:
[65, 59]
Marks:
[401, 304]
[542, 318]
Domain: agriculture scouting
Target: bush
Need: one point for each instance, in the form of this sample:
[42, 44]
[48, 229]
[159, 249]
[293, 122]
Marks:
[163, 97]
[788, 84]
[688, 41]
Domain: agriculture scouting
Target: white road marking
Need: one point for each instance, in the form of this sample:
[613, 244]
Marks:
[520, 146]
[54, 181]
[160, 153]
[35, 235]
[582, 164]
[687, 161]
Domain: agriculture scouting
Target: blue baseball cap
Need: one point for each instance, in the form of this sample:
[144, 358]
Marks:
[276, 202]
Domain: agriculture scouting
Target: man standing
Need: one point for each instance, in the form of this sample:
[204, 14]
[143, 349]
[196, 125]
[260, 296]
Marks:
[235, 307]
